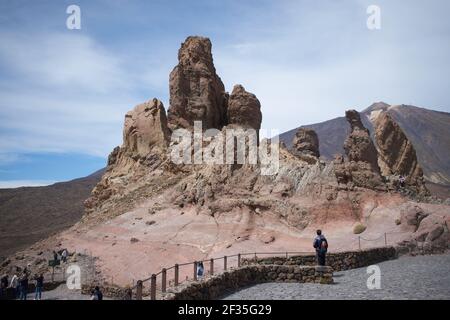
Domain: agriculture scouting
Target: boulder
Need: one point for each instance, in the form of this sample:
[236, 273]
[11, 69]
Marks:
[411, 215]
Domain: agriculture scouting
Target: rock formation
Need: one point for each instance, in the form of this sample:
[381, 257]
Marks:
[430, 232]
[148, 212]
[196, 91]
[361, 169]
[244, 109]
[359, 146]
[396, 154]
[305, 145]
[145, 141]
[145, 127]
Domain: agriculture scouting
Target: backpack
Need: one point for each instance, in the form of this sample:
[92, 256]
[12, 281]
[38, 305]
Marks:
[323, 244]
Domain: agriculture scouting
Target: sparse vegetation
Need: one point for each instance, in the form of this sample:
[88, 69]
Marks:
[359, 228]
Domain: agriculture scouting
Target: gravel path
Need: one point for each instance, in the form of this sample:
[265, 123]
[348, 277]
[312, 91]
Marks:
[421, 277]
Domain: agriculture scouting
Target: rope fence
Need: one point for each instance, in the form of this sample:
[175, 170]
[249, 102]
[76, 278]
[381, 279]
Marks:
[173, 276]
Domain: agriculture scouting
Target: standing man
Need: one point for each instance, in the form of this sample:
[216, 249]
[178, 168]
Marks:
[39, 285]
[15, 284]
[24, 285]
[321, 246]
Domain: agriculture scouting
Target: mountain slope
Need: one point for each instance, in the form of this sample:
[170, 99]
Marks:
[29, 214]
[428, 130]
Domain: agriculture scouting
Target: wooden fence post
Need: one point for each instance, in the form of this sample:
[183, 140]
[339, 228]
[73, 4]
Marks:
[176, 274]
[195, 270]
[239, 260]
[153, 287]
[163, 280]
[139, 290]
[211, 266]
[225, 263]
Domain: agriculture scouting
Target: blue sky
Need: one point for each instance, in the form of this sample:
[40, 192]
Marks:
[64, 93]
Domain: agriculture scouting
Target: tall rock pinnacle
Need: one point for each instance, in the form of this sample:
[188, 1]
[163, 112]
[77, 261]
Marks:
[196, 91]
[359, 146]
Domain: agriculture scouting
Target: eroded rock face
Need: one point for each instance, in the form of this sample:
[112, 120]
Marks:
[396, 154]
[244, 109]
[196, 91]
[359, 146]
[361, 169]
[431, 236]
[145, 127]
[145, 141]
[306, 145]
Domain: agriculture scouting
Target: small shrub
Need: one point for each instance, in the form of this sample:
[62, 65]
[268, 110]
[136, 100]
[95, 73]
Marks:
[398, 221]
[359, 228]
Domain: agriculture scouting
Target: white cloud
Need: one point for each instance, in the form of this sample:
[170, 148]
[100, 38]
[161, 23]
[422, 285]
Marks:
[61, 60]
[310, 65]
[65, 93]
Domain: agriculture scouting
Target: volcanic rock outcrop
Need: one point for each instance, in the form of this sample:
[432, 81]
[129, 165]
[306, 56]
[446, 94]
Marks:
[196, 91]
[145, 128]
[145, 141]
[305, 145]
[396, 154]
[148, 212]
[359, 146]
[361, 169]
[244, 109]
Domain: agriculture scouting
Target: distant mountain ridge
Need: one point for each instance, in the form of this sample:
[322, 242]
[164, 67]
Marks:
[30, 214]
[428, 130]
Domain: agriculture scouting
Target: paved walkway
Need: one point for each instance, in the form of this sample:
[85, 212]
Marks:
[421, 277]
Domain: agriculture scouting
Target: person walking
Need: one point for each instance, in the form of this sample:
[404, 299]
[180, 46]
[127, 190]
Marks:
[321, 245]
[39, 285]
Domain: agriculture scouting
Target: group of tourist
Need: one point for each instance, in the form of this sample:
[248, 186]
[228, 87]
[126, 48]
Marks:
[19, 285]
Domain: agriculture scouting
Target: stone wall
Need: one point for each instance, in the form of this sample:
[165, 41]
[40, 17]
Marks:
[216, 286]
[338, 261]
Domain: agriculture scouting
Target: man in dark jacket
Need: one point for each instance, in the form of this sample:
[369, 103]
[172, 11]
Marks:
[24, 285]
[39, 285]
[321, 246]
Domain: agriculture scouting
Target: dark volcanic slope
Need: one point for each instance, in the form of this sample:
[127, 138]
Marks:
[428, 130]
[30, 214]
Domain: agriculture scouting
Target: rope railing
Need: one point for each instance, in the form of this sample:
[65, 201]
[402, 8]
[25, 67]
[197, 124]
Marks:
[214, 268]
